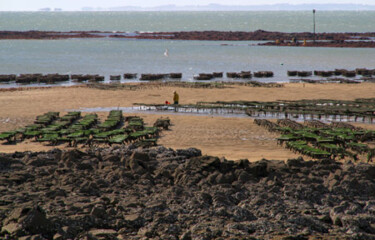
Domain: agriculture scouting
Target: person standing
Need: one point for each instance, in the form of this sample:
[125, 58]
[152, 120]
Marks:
[176, 97]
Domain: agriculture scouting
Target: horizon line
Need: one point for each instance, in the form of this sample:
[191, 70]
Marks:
[206, 7]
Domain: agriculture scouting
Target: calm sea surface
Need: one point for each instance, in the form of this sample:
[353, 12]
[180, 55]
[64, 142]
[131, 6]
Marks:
[116, 56]
[285, 21]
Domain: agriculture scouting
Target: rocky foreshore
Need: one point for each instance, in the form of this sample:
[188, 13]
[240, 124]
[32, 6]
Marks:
[333, 43]
[47, 35]
[160, 193]
[352, 40]
[259, 35]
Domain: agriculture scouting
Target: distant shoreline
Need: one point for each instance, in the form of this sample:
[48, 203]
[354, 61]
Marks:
[221, 7]
[352, 40]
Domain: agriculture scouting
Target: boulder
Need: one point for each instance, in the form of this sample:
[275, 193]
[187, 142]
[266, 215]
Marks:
[103, 234]
[28, 220]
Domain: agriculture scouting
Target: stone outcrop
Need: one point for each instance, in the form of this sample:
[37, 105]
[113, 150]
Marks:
[361, 40]
[160, 193]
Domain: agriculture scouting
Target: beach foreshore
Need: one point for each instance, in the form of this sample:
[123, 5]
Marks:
[231, 137]
[352, 40]
[187, 187]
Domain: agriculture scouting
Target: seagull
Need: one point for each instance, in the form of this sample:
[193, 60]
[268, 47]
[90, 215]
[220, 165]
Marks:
[166, 53]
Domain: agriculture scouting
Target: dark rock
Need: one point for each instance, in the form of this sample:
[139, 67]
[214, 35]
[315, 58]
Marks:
[243, 176]
[41, 161]
[189, 153]
[242, 214]
[14, 229]
[173, 229]
[221, 199]
[140, 156]
[240, 229]
[56, 193]
[111, 158]
[310, 223]
[186, 236]
[84, 165]
[158, 193]
[259, 169]
[224, 178]
[203, 163]
[205, 198]
[90, 188]
[148, 232]
[136, 163]
[28, 220]
[32, 237]
[107, 234]
[67, 232]
[297, 237]
[326, 219]
[7, 162]
[71, 157]
[367, 169]
[134, 220]
[156, 206]
[98, 211]
[18, 178]
[298, 162]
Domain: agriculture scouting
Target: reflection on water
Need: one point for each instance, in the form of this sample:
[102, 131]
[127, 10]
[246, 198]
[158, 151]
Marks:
[168, 110]
[228, 112]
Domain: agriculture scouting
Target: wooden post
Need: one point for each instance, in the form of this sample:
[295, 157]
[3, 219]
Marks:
[314, 23]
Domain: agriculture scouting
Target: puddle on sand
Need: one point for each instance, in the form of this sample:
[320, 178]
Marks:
[166, 111]
[190, 111]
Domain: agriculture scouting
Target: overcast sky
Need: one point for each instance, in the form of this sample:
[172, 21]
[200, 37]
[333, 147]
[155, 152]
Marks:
[26, 5]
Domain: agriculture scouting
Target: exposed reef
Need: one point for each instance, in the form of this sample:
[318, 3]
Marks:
[160, 193]
[277, 38]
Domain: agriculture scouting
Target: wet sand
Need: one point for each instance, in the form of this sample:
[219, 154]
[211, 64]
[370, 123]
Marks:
[233, 138]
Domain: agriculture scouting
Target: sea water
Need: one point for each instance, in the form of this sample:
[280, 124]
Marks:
[284, 21]
[106, 56]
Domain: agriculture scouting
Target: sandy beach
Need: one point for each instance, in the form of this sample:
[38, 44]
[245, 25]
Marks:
[232, 138]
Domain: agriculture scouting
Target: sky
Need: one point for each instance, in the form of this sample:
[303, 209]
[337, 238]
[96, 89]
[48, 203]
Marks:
[30, 5]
